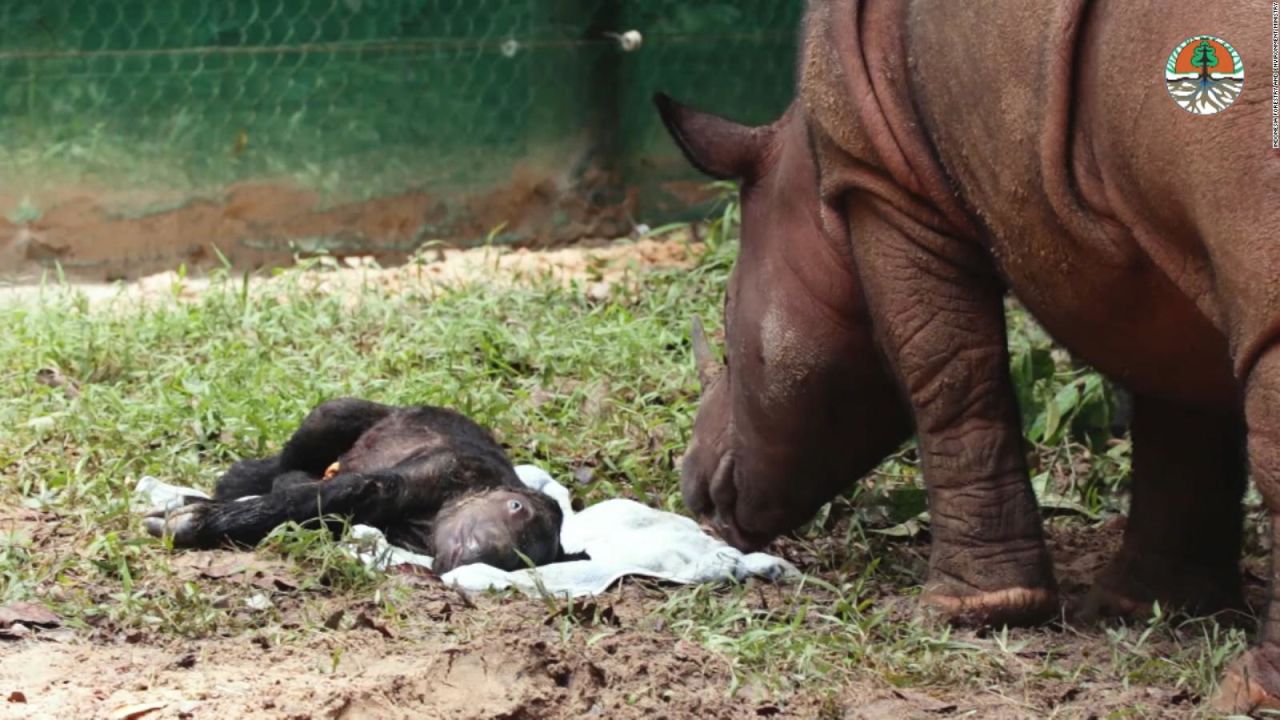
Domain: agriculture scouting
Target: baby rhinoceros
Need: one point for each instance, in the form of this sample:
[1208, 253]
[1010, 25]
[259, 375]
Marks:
[432, 480]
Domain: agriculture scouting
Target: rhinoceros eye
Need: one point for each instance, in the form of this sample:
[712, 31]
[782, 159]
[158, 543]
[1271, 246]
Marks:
[514, 506]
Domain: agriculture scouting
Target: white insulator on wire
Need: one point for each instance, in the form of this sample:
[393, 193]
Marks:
[629, 40]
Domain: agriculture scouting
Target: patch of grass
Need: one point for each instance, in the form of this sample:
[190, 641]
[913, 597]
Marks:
[181, 389]
[847, 628]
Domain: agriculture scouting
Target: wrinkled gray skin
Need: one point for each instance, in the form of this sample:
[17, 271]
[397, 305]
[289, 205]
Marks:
[802, 406]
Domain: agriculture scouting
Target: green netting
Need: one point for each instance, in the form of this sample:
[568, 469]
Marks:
[519, 111]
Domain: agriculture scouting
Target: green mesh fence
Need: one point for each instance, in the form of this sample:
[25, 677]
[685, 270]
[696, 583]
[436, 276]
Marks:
[137, 134]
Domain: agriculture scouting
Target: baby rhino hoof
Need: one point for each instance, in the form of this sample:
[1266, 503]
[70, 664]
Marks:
[182, 524]
[1010, 606]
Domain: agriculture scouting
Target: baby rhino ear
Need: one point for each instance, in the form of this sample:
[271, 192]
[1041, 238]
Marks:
[718, 147]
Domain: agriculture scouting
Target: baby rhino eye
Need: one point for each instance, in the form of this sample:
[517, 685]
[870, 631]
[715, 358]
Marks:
[514, 506]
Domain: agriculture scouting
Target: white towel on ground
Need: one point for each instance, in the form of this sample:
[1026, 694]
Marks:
[622, 537]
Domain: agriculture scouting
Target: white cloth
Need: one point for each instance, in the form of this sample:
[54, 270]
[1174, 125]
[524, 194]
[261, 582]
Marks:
[622, 537]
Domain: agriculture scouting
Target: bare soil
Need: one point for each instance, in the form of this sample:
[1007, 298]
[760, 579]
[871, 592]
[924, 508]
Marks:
[102, 234]
[447, 656]
[498, 660]
[598, 267]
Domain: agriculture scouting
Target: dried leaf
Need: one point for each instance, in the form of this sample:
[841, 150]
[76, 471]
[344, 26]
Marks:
[364, 621]
[224, 568]
[27, 614]
[133, 712]
[585, 613]
[334, 620]
[924, 702]
[908, 529]
[55, 379]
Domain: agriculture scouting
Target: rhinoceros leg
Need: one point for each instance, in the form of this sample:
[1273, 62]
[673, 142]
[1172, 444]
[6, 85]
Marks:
[938, 311]
[1252, 682]
[1182, 542]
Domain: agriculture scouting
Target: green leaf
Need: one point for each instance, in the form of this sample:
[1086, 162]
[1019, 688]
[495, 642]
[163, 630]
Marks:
[1064, 405]
[906, 503]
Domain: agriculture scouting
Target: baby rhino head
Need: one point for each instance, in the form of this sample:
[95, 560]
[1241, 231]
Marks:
[497, 527]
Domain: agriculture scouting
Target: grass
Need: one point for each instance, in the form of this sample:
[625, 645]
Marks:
[181, 389]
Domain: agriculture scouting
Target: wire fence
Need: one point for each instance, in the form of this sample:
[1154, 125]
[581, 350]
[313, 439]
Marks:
[137, 134]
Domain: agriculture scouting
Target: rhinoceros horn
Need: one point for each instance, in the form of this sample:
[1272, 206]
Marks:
[703, 358]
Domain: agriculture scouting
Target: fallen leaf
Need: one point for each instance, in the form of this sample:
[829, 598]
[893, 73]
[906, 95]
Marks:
[599, 291]
[908, 529]
[133, 712]
[445, 612]
[364, 621]
[924, 702]
[55, 379]
[334, 620]
[27, 614]
[220, 569]
[1057, 504]
[58, 635]
[585, 613]
[415, 571]
[272, 581]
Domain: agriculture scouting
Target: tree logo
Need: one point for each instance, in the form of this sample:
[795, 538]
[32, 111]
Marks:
[1204, 75]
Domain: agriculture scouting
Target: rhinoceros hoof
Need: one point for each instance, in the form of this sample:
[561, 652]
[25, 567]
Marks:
[1010, 606]
[1249, 685]
[182, 524]
[1103, 602]
[1127, 589]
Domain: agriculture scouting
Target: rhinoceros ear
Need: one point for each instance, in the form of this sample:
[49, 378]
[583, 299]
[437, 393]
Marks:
[718, 147]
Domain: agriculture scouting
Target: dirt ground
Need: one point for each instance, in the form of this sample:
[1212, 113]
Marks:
[443, 655]
[486, 657]
[597, 266]
[497, 660]
[103, 233]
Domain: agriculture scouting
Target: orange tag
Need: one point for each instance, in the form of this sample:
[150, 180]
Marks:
[332, 470]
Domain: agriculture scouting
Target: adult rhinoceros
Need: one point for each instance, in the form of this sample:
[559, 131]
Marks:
[939, 154]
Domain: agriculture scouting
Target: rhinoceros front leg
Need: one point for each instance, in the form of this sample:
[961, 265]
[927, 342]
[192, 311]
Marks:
[938, 311]
[1182, 541]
